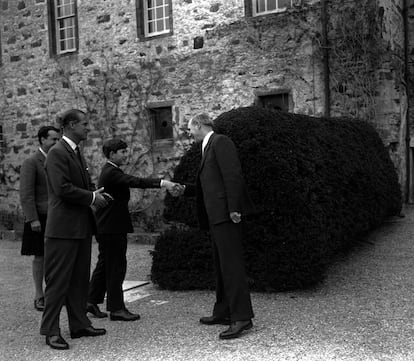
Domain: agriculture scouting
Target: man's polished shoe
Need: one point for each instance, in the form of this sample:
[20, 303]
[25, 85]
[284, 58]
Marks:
[235, 329]
[214, 320]
[39, 304]
[88, 332]
[123, 315]
[94, 309]
[57, 342]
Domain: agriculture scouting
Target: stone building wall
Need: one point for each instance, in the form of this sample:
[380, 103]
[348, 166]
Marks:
[215, 60]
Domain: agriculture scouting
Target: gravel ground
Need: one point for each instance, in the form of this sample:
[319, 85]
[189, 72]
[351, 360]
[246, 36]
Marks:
[362, 311]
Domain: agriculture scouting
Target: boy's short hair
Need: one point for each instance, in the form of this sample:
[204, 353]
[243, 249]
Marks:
[113, 145]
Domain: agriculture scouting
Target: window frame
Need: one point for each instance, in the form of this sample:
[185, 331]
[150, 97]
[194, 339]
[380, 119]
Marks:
[260, 97]
[54, 29]
[251, 6]
[143, 21]
[155, 107]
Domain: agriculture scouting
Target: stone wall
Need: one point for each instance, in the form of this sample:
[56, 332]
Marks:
[216, 59]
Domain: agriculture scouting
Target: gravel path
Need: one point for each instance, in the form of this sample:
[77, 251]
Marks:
[362, 311]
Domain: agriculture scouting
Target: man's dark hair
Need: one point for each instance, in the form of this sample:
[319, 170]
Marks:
[113, 145]
[44, 132]
[72, 115]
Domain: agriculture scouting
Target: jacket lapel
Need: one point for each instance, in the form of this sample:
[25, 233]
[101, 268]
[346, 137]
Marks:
[206, 149]
[75, 158]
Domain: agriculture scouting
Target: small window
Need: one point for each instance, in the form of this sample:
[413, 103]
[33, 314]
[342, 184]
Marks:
[154, 18]
[278, 101]
[262, 7]
[161, 119]
[63, 26]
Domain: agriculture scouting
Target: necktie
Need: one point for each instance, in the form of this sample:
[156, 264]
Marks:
[77, 151]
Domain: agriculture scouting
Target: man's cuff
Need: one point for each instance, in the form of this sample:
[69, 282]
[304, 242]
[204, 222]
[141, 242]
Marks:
[93, 199]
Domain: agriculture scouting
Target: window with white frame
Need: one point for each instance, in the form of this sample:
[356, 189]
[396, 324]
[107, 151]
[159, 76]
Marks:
[64, 26]
[154, 17]
[262, 7]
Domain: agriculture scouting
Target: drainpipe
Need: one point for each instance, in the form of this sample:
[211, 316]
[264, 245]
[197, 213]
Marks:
[408, 92]
[325, 52]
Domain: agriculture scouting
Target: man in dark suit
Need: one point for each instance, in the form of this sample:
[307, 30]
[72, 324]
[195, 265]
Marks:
[114, 223]
[69, 228]
[222, 202]
[33, 198]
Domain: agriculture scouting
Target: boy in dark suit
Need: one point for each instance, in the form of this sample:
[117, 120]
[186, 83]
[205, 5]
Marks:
[114, 223]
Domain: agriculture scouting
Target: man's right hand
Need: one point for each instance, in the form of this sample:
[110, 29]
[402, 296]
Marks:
[100, 200]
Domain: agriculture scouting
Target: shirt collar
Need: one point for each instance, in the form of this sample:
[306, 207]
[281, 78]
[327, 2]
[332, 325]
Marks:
[42, 151]
[72, 144]
[206, 139]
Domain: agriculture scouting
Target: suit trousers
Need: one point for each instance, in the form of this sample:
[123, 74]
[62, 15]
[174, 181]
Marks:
[232, 294]
[110, 270]
[67, 270]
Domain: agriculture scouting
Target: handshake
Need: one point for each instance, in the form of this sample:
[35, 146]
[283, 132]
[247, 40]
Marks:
[175, 189]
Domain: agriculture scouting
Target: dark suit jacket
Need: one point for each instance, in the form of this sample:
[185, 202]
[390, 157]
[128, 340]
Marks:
[70, 194]
[115, 217]
[33, 187]
[220, 187]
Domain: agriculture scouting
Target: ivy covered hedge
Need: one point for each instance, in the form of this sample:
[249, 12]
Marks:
[319, 184]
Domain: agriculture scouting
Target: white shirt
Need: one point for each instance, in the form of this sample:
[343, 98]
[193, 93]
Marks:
[205, 140]
[42, 151]
[72, 144]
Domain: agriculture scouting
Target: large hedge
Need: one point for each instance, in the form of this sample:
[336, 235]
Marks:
[319, 184]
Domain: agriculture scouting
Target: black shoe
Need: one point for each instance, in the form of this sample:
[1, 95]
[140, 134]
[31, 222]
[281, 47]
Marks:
[57, 342]
[39, 304]
[123, 315]
[94, 309]
[235, 329]
[88, 332]
[214, 320]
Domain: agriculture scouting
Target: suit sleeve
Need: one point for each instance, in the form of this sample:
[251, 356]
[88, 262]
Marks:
[27, 190]
[230, 168]
[61, 180]
[119, 178]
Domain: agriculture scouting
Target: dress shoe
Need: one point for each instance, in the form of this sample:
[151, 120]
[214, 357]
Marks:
[214, 320]
[88, 332]
[235, 329]
[94, 309]
[123, 315]
[57, 342]
[39, 304]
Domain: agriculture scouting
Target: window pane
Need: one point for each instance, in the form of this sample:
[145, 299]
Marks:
[71, 43]
[160, 25]
[151, 27]
[159, 2]
[260, 6]
[151, 15]
[62, 45]
[70, 32]
[160, 13]
[285, 3]
[271, 5]
[150, 3]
